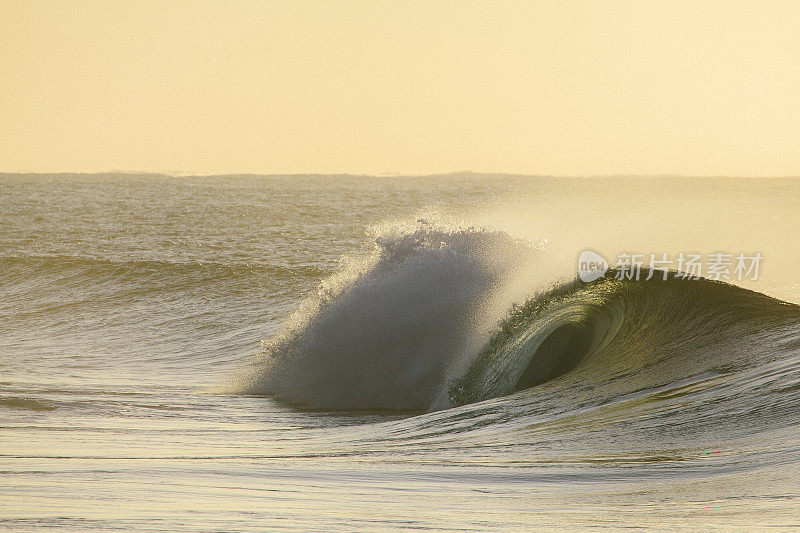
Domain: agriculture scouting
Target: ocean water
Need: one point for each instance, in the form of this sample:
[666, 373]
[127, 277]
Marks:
[340, 353]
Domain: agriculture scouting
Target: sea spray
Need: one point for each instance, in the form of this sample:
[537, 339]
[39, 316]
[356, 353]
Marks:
[390, 332]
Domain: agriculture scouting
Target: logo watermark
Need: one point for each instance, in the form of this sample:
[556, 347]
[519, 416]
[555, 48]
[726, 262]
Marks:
[591, 266]
[717, 266]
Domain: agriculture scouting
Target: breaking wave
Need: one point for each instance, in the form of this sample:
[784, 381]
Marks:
[391, 332]
[430, 322]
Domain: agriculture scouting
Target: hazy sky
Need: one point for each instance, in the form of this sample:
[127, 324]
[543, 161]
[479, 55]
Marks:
[401, 87]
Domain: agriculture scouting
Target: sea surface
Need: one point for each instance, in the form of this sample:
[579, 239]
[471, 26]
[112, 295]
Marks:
[352, 353]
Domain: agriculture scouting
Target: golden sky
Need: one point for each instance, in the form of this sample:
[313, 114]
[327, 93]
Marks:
[559, 88]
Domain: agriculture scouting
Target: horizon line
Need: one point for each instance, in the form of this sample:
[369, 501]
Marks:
[177, 174]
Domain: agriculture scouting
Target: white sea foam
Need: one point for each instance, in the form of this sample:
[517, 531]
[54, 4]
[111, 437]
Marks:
[390, 331]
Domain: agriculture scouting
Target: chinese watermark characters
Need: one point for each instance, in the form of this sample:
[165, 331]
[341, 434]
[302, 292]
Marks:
[718, 266]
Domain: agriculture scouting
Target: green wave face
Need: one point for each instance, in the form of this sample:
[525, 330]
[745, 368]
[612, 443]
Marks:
[615, 337]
